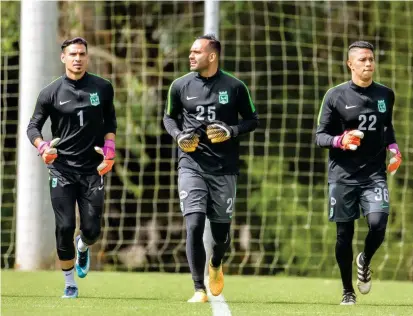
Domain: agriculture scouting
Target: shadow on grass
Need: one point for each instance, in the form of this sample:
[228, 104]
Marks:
[232, 302]
[318, 303]
[90, 297]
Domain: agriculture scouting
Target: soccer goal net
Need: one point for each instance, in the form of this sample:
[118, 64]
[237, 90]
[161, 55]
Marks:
[288, 54]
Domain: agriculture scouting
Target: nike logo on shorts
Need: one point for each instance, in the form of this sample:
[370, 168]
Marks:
[190, 98]
[350, 106]
[64, 102]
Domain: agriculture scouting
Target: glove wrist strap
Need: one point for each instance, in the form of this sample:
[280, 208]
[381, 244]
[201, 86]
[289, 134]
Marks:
[42, 147]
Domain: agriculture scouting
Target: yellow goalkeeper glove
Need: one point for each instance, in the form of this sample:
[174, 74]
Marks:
[188, 140]
[219, 132]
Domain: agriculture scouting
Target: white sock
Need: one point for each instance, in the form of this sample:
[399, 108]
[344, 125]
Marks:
[69, 277]
[82, 246]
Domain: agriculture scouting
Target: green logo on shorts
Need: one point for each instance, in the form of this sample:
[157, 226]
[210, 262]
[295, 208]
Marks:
[223, 97]
[381, 105]
[54, 182]
[94, 99]
[331, 212]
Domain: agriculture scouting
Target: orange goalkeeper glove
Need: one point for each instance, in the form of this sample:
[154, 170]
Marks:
[395, 160]
[348, 140]
[48, 151]
[108, 153]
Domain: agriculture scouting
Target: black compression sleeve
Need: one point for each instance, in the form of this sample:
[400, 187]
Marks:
[171, 126]
[39, 117]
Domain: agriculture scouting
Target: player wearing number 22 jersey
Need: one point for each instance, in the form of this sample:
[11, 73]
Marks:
[355, 123]
[202, 115]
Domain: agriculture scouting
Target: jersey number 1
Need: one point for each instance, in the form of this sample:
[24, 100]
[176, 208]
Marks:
[80, 114]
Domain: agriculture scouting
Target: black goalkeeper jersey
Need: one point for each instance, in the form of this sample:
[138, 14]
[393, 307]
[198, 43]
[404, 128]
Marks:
[81, 114]
[194, 101]
[346, 107]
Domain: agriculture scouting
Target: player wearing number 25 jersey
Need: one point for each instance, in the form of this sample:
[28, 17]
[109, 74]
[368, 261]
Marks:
[204, 100]
[355, 123]
[202, 116]
[83, 123]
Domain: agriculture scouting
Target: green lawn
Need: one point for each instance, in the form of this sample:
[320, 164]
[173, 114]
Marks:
[110, 293]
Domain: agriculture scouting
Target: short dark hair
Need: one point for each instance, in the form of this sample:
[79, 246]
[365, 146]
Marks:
[361, 44]
[76, 40]
[214, 43]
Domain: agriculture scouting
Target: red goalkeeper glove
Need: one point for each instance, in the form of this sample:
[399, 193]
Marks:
[48, 151]
[348, 140]
[108, 153]
[395, 160]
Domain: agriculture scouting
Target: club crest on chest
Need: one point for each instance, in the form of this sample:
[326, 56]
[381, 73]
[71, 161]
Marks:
[381, 105]
[94, 99]
[223, 97]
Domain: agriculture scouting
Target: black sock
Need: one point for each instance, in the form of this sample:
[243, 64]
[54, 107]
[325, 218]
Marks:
[344, 254]
[195, 251]
[377, 229]
[221, 242]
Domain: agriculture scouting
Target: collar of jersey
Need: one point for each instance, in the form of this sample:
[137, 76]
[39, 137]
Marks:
[360, 89]
[213, 77]
[75, 82]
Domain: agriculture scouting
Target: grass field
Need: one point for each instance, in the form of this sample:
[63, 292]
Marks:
[110, 293]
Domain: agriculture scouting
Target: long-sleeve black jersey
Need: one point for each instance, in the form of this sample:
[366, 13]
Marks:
[81, 114]
[346, 107]
[194, 101]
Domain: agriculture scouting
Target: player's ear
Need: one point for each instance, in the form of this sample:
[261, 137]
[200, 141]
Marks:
[212, 57]
[62, 57]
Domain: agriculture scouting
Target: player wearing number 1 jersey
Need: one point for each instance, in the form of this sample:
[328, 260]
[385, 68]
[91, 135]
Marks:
[202, 116]
[83, 123]
[355, 123]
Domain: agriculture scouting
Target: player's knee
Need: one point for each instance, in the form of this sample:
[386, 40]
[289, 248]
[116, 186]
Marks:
[195, 224]
[220, 232]
[90, 234]
[65, 231]
[377, 221]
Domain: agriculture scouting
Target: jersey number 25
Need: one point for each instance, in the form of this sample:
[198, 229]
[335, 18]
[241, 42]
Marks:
[210, 113]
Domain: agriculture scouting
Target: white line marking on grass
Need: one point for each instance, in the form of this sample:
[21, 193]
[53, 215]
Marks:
[218, 304]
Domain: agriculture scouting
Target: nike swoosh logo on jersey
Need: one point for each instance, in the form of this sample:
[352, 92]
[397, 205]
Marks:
[100, 188]
[61, 103]
[190, 98]
[350, 106]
